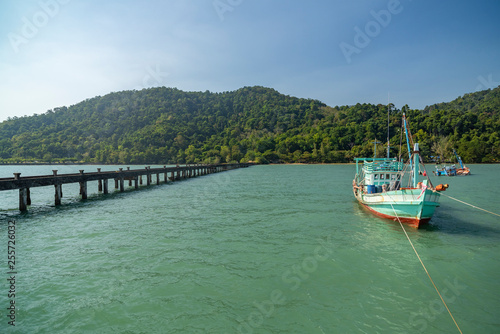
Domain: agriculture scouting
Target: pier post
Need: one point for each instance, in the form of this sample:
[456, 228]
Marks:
[105, 186]
[99, 182]
[83, 187]
[58, 194]
[23, 199]
[148, 177]
[178, 177]
[122, 186]
[28, 196]
[116, 183]
[136, 181]
[157, 178]
[140, 180]
[130, 179]
[165, 174]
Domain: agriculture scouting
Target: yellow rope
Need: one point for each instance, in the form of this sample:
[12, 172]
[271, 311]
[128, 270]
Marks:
[476, 207]
[422, 263]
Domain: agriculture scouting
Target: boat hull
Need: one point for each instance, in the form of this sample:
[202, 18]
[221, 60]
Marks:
[414, 207]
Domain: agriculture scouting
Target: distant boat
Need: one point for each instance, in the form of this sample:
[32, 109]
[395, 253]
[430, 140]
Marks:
[452, 170]
[445, 170]
[392, 189]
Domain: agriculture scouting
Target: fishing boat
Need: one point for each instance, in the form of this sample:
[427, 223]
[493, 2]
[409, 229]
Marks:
[392, 189]
[452, 170]
[445, 170]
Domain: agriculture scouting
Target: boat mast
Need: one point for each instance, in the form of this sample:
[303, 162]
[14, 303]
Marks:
[408, 143]
[407, 139]
[416, 157]
[459, 159]
[388, 133]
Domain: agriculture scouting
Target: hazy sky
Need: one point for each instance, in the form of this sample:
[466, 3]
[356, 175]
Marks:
[59, 52]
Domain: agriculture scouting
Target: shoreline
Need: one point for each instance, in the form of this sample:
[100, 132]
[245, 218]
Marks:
[180, 164]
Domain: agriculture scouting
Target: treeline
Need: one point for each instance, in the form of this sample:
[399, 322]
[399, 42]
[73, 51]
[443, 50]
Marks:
[167, 125]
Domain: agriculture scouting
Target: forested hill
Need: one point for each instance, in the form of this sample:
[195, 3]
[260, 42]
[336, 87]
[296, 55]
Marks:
[167, 125]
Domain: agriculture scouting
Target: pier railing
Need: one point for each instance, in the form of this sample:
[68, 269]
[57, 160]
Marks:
[24, 184]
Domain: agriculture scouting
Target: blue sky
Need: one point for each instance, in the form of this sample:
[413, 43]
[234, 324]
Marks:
[59, 52]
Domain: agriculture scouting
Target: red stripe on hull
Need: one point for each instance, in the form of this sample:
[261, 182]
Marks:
[414, 222]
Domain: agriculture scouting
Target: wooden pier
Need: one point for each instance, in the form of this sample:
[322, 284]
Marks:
[24, 184]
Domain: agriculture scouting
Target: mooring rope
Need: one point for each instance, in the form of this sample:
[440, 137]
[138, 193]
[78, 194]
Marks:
[475, 207]
[423, 265]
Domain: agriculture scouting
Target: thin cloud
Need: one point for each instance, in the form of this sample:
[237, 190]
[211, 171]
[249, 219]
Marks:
[92, 48]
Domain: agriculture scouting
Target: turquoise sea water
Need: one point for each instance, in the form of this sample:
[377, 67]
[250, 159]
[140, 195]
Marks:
[266, 249]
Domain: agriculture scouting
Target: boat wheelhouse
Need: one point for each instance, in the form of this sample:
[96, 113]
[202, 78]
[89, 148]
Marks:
[380, 174]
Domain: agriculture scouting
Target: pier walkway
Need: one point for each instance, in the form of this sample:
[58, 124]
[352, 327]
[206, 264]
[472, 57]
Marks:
[24, 184]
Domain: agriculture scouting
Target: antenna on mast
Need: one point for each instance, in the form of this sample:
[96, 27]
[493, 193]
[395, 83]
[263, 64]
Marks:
[388, 134]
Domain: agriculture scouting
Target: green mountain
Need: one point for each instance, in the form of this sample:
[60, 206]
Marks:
[167, 125]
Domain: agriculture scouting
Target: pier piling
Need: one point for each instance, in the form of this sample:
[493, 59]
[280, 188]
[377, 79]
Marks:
[23, 199]
[58, 194]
